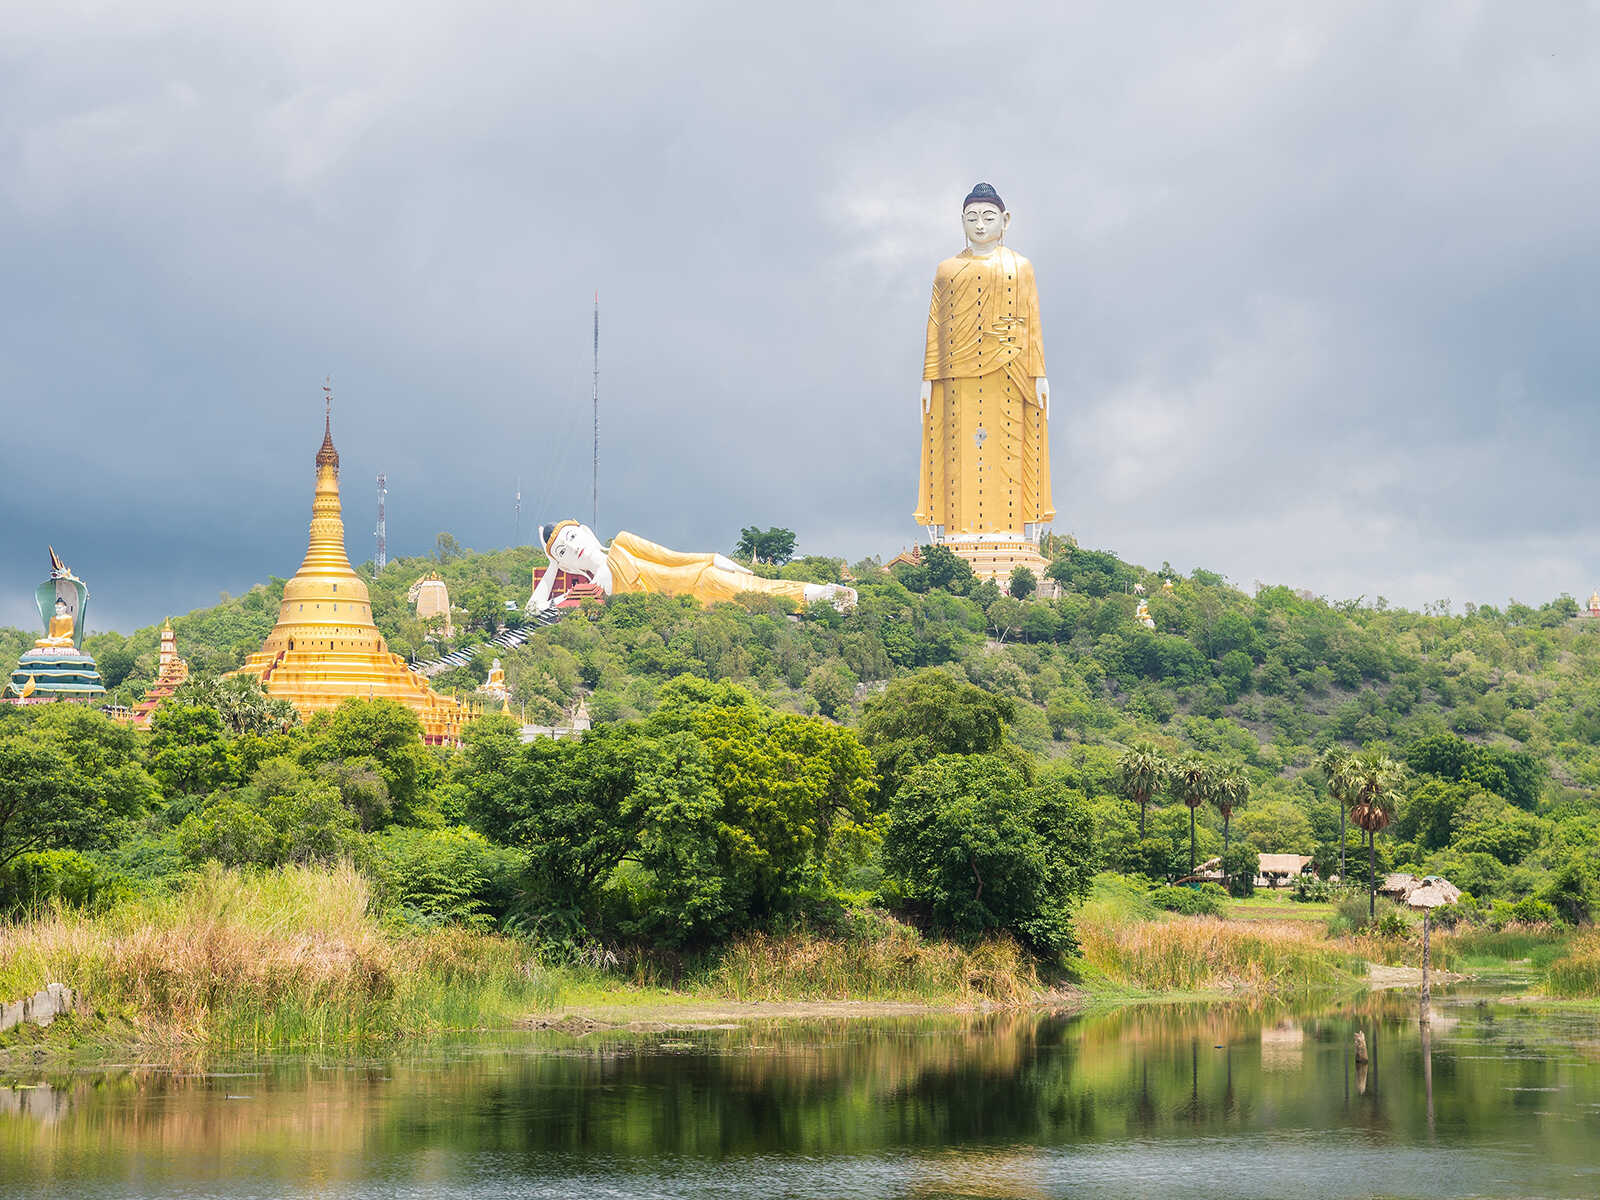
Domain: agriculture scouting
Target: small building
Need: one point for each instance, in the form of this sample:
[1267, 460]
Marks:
[1276, 870]
[1594, 604]
[1397, 885]
[431, 600]
[1209, 871]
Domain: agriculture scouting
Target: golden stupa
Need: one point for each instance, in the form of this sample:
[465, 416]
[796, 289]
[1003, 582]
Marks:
[325, 649]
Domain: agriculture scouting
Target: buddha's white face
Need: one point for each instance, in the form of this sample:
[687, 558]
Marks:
[576, 549]
[984, 223]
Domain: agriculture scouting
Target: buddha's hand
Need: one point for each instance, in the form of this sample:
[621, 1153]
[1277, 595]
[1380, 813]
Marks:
[927, 397]
[1041, 393]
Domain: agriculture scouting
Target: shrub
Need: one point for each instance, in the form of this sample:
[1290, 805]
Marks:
[1530, 910]
[1308, 889]
[444, 876]
[1393, 925]
[30, 881]
[1203, 901]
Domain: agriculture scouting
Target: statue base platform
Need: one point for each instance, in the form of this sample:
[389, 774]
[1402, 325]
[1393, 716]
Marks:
[57, 674]
[995, 558]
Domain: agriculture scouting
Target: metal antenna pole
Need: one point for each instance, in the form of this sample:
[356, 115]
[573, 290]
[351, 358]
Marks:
[594, 515]
[383, 524]
[516, 539]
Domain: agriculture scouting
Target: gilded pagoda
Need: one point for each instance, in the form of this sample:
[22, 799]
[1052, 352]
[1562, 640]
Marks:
[325, 649]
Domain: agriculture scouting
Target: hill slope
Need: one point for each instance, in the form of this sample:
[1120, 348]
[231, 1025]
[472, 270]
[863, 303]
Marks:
[1500, 707]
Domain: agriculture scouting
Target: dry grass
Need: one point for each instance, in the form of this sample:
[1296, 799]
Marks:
[264, 960]
[1207, 954]
[891, 963]
[1576, 974]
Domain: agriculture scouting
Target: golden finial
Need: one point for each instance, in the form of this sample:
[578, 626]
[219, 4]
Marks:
[327, 455]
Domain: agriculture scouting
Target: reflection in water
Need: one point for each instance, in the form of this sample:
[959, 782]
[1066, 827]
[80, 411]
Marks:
[1206, 1100]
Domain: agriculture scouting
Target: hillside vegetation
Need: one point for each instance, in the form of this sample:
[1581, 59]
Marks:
[945, 757]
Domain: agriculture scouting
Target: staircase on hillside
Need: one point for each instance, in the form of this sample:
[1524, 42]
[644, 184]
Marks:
[511, 635]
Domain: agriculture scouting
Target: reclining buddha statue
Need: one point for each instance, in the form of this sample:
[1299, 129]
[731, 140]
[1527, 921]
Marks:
[632, 564]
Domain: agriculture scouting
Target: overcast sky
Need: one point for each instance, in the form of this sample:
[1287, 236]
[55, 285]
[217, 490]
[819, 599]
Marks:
[1318, 281]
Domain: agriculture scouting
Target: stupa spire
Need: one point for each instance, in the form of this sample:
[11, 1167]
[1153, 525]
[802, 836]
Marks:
[327, 456]
[324, 647]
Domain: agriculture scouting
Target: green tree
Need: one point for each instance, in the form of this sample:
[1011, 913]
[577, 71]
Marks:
[1023, 582]
[1092, 572]
[1335, 765]
[38, 802]
[1142, 772]
[794, 792]
[772, 545]
[1374, 781]
[241, 703]
[1230, 791]
[919, 717]
[580, 807]
[983, 851]
[1571, 891]
[446, 549]
[380, 732]
[188, 751]
[1193, 781]
[1005, 616]
[948, 570]
[832, 687]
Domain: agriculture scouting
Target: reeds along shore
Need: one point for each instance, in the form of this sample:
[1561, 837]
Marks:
[1576, 974]
[264, 960]
[1207, 954]
[300, 957]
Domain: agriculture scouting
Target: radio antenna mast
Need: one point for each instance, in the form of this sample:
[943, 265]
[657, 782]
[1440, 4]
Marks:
[516, 539]
[383, 525]
[594, 513]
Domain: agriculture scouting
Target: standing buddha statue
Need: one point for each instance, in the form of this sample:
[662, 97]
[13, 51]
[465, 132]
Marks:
[984, 476]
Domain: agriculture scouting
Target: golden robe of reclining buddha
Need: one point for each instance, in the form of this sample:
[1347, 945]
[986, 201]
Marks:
[634, 564]
[985, 464]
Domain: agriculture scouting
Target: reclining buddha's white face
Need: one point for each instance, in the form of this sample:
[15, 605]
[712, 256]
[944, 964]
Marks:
[577, 550]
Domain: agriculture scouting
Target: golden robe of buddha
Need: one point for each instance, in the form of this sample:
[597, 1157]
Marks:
[985, 463]
[59, 633]
[640, 565]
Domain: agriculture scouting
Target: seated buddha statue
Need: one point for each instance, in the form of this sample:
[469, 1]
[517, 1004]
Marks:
[59, 634]
[633, 564]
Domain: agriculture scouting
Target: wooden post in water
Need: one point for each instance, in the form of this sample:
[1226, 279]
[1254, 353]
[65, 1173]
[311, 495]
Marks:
[1426, 1015]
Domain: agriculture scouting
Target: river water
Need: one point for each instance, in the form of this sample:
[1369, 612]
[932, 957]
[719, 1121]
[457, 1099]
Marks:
[1161, 1100]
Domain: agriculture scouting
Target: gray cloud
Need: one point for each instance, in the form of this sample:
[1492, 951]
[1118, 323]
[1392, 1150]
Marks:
[1317, 282]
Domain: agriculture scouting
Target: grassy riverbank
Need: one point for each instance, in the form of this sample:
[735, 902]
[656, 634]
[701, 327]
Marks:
[264, 960]
[303, 957]
[299, 957]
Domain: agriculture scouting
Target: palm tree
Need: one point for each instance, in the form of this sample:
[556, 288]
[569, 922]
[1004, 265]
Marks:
[1335, 764]
[1230, 790]
[1374, 781]
[1142, 772]
[1193, 781]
